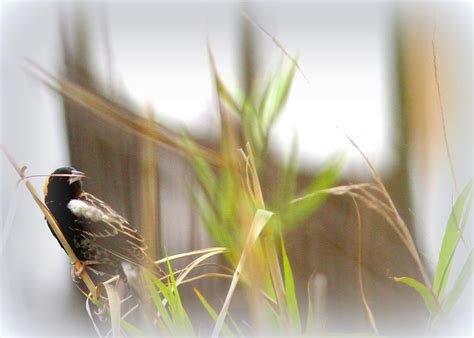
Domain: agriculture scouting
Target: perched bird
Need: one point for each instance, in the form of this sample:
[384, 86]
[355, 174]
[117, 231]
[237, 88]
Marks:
[101, 239]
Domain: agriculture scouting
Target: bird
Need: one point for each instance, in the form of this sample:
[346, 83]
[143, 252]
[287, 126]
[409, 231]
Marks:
[101, 238]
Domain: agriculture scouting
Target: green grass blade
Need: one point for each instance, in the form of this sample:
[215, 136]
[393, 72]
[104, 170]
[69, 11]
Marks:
[277, 95]
[452, 236]
[290, 291]
[178, 313]
[206, 305]
[288, 175]
[163, 289]
[151, 281]
[222, 91]
[236, 326]
[225, 328]
[132, 330]
[252, 127]
[204, 174]
[461, 282]
[422, 290]
[209, 217]
[259, 221]
[307, 206]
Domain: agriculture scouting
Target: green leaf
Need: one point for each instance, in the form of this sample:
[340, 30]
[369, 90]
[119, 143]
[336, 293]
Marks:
[225, 329]
[460, 284]
[222, 91]
[208, 216]
[277, 95]
[151, 281]
[259, 221]
[132, 330]
[422, 290]
[252, 127]
[179, 314]
[174, 317]
[289, 176]
[206, 305]
[452, 236]
[290, 291]
[204, 174]
[307, 206]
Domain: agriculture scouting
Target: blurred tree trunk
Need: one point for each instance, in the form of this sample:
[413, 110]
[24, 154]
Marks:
[122, 168]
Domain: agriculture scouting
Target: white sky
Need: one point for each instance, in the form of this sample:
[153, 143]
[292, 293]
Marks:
[344, 51]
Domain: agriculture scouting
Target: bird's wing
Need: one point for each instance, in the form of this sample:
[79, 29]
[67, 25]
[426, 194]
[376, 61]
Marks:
[107, 229]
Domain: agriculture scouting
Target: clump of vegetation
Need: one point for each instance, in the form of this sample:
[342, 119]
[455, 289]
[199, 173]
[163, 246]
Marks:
[249, 230]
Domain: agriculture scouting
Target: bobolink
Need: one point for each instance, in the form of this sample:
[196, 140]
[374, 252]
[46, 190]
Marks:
[101, 239]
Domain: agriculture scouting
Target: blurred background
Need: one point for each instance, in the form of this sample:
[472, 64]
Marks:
[366, 70]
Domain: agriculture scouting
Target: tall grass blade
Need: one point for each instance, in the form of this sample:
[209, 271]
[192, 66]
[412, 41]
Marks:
[370, 314]
[90, 298]
[276, 95]
[460, 284]
[225, 328]
[301, 210]
[422, 290]
[178, 312]
[114, 307]
[192, 253]
[286, 192]
[222, 90]
[132, 330]
[153, 282]
[452, 236]
[290, 291]
[261, 218]
[195, 263]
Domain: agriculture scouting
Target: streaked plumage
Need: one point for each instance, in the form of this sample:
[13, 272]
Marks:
[96, 232]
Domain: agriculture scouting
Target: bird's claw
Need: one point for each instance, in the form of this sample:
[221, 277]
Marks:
[77, 270]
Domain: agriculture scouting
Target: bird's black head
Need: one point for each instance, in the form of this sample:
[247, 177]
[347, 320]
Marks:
[64, 182]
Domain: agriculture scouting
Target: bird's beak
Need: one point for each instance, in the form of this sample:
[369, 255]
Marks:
[76, 175]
